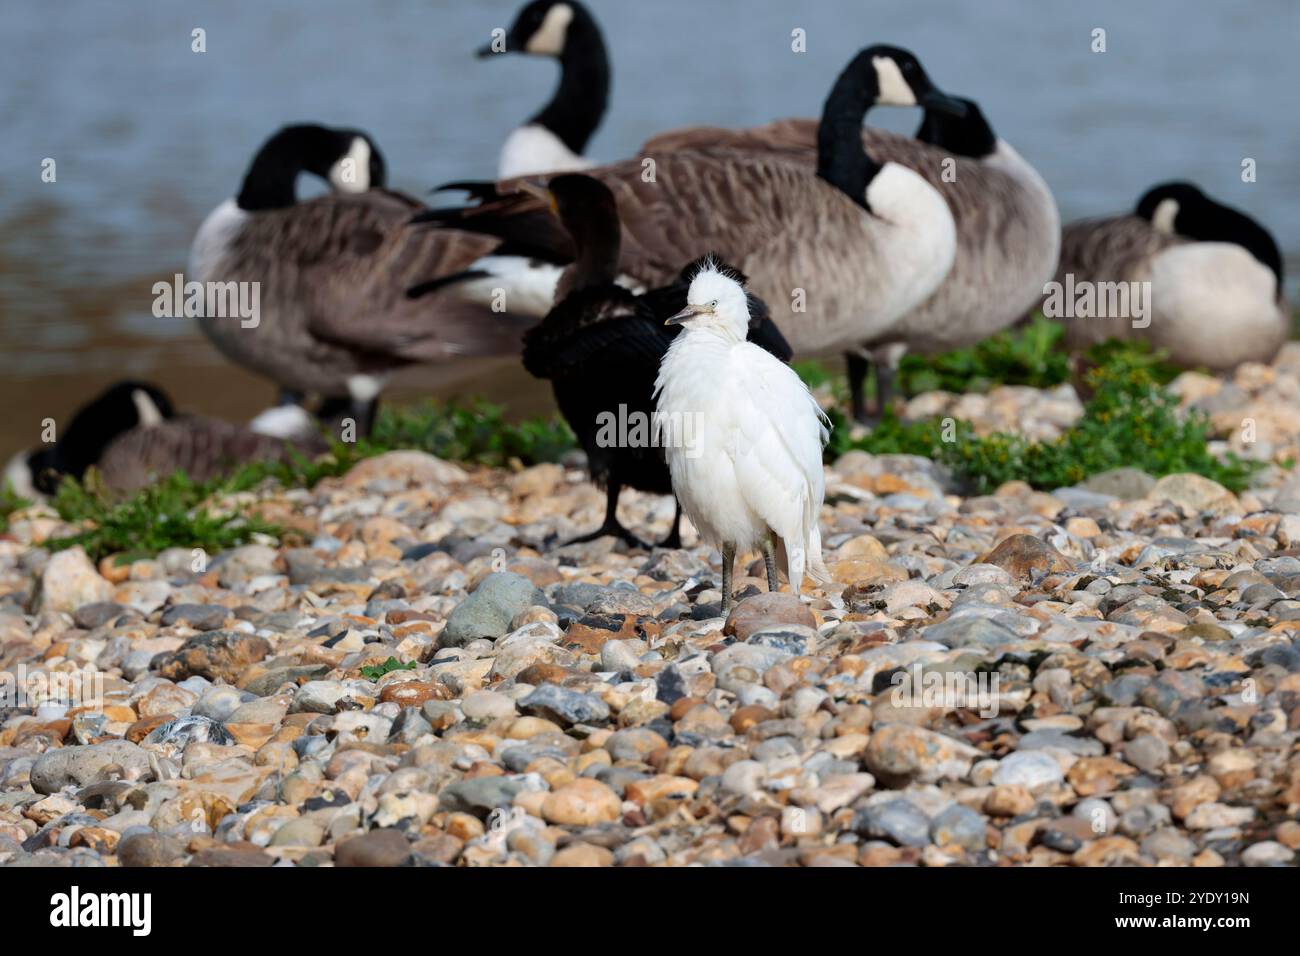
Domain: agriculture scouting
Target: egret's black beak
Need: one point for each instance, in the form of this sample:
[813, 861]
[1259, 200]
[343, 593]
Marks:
[941, 101]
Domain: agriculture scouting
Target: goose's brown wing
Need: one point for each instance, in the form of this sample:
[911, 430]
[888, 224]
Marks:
[344, 262]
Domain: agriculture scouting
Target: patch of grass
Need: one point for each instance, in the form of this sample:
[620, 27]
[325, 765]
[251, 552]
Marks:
[171, 513]
[376, 671]
[10, 502]
[175, 511]
[474, 432]
[1130, 420]
[1030, 355]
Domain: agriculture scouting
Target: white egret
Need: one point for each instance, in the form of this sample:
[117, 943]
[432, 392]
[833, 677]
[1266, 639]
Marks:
[742, 435]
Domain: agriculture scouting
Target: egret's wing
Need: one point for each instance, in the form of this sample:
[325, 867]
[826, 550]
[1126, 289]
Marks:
[777, 433]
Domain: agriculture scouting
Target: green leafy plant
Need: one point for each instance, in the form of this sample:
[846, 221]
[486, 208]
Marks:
[376, 671]
[10, 501]
[176, 511]
[171, 513]
[1028, 355]
[1129, 420]
[476, 432]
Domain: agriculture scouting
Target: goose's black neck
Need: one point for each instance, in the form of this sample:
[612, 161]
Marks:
[579, 102]
[841, 160]
[968, 135]
[270, 181]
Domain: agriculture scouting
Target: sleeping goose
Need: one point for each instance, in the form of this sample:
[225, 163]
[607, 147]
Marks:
[554, 139]
[1008, 228]
[330, 273]
[1214, 274]
[601, 346]
[132, 435]
[840, 252]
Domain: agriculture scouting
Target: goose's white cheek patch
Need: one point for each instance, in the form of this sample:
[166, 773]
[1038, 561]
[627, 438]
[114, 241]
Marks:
[351, 174]
[1162, 220]
[550, 36]
[894, 90]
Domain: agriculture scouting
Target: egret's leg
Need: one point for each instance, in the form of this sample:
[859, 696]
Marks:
[728, 560]
[769, 559]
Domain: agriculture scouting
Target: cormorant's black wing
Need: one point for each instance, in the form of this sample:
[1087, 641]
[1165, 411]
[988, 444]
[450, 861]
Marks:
[600, 326]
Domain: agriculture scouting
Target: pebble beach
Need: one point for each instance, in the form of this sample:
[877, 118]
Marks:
[418, 674]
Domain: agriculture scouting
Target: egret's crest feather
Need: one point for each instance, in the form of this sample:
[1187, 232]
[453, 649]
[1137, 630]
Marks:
[712, 262]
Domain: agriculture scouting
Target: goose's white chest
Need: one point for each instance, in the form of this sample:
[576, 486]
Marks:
[535, 149]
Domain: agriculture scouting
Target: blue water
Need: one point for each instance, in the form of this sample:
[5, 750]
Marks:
[148, 135]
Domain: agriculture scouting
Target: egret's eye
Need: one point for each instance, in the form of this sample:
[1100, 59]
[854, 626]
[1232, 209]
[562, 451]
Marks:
[713, 304]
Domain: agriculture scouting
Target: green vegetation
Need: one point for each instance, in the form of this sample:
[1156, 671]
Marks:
[376, 671]
[475, 432]
[1129, 420]
[176, 512]
[1030, 355]
[9, 503]
[171, 513]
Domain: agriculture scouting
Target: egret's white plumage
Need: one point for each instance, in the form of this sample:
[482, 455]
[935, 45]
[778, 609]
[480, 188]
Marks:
[748, 460]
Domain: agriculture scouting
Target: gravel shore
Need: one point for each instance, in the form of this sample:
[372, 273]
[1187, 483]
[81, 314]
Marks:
[1105, 674]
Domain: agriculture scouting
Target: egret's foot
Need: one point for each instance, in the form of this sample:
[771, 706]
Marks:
[614, 530]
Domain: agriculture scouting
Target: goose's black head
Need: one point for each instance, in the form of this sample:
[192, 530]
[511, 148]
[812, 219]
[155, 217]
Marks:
[347, 159]
[879, 75]
[589, 213]
[883, 75]
[968, 135]
[557, 28]
[1180, 208]
[565, 30]
[82, 441]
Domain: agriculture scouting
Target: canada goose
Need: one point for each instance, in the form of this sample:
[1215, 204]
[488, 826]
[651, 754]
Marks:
[328, 274]
[601, 346]
[131, 434]
[1008, 228]
[754, 474]
[554, 139]
[839, 253]
[1194, 278]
